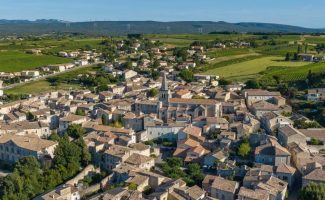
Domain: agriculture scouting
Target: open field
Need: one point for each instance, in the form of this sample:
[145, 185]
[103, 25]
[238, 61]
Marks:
[251, 68]
[289, 74]
[44, 86]
[39, 87]
[15, 61]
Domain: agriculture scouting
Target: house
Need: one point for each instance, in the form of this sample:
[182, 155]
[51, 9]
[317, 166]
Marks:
[14, 147]
[316, 94]
[140, 181]
[288, 134]
[255, 95]
[275, 187]
[26, 128]
[30, 74]
[105, 96]
[163, 131]
[60, 67]
[248, 194]
[70, 119]
[127, 74]
[271, 121]
[223, 189]
[316, 133]
[183, 93]
[259, 108]
[66, 192]
[286, 173]
[306, 57]
[141, 161]
[114, 156]
[215, 123]
[211, 159]
[272, 153]
[316, 176]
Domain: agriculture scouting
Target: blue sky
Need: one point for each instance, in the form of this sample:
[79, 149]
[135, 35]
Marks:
[294, 12]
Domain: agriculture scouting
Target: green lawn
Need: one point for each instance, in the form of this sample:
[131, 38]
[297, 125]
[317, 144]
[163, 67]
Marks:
[251, 68]
[44, 86]
[39, 87]
[15, 61]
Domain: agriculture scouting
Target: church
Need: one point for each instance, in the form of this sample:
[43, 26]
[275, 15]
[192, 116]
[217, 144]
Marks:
[171, 109]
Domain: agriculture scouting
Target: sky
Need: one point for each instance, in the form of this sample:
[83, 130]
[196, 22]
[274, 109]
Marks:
[307, 13]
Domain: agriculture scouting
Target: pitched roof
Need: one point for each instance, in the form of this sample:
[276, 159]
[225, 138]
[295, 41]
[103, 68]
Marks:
[253, 194]
[284, 168]
[289, 131]
[316, 175]
[193, 101]
[259, 92]
[138, 159]
[30, 142]
[224, 184]
[72, 117]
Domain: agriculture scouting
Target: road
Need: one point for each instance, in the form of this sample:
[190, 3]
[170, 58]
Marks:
[45, 77]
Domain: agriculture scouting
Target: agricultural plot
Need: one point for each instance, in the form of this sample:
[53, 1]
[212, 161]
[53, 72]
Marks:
[289, 74]
[251, 68]
[15, 61]
[39, 87]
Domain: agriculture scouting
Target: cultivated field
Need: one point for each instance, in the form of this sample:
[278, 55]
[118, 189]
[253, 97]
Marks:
[16, 61]
[251, 68]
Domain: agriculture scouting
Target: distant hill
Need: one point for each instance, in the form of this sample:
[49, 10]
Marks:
[44, 26]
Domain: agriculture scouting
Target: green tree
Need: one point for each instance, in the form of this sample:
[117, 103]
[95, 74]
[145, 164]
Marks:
[244, 149]
[312, 191]
[75, 131]
[80, 112]
[252, 84]
[287, 57]
[30, 116]
[133, 186]
[187, 75]
[105, 120]
[224, 82]
[153, 92]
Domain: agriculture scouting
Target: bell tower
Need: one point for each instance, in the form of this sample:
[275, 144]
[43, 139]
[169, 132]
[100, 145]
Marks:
[164, 93]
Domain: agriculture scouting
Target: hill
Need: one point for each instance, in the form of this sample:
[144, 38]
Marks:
[25, 27]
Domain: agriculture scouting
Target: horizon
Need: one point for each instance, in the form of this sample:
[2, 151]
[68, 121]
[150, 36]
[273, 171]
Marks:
[294, 13]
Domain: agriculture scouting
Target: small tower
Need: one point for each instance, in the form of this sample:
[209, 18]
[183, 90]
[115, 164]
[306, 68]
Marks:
[164, 93]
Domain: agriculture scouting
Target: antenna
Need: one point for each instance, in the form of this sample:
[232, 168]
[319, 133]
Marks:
[200, 30]
[67, 25]
[168, 28]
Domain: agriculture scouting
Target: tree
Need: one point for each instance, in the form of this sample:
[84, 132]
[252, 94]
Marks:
[244, 149]
[214, 134]
[287, 58]
[102, 87]
[187, 75]
[224, 82]
[133, 186]
[252, 84]
[30, 116]
[75, 131]
[154, 74]
[85, 155]
[105, 120]
[153, 92]
[312, 191]
[80, 112]
[303, 124]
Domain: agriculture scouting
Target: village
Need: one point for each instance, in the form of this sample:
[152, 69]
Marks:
[159, 130]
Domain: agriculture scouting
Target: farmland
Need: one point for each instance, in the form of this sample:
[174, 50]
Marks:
[251, 68]
[262, 62]
[15, 61]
